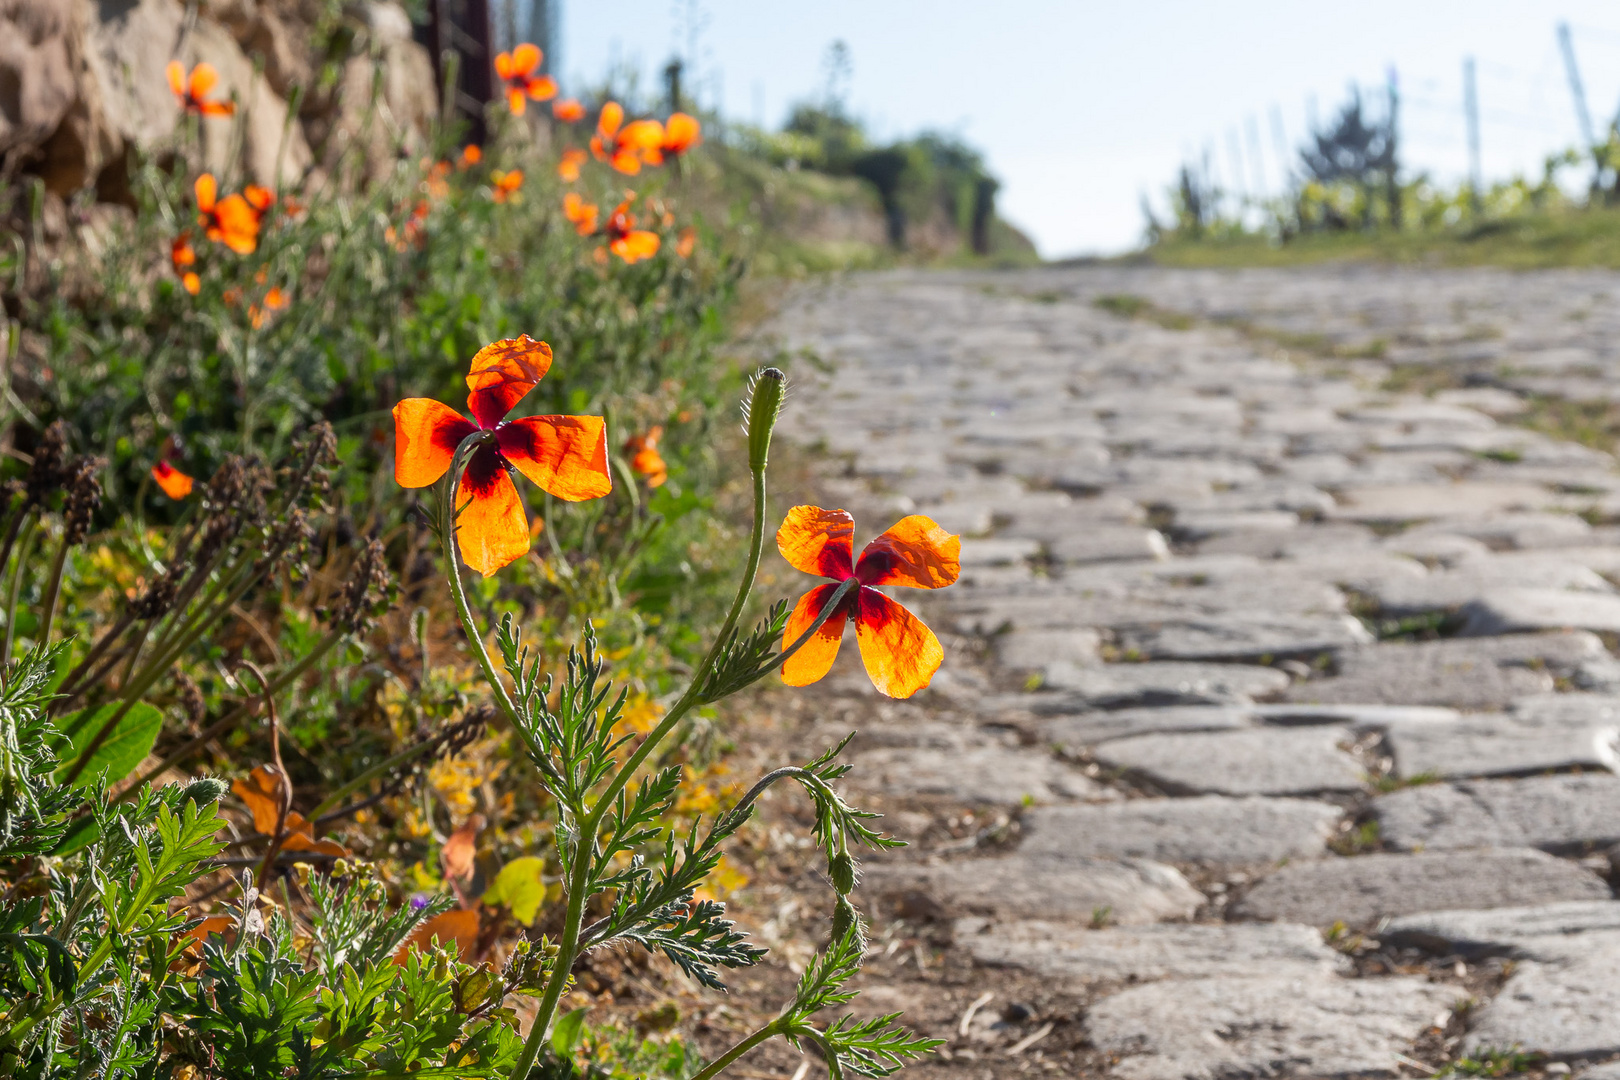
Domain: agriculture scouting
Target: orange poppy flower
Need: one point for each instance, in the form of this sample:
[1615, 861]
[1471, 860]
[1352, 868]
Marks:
[681, 133]
[568, 110]
[516, 69]
[471, 154]
[175, 484]
[581, 213]
[506, 184]
[565, 455]
[568, 166]
[230, 221]
[900, 653]
[274, 300]
[190, 91]
[624, 149]
[260, 200]
[184, 256]
[645, 458]
[624, 239]
[687, 242]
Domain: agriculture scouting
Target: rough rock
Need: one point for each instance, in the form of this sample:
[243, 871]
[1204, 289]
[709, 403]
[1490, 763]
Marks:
[1196, 951]
[1134, 891]
[1166, 683]
[1281, 761]
[1090, 728]
[1565, 1006]
[1245, 637]
[1288, 1024]
[1206, 829]
[1511, 931]
[1510, 610]
[1497, 746]
[975, 774]
[1359, 890]
[1559, 814]
[1027, 650]
[38, 42]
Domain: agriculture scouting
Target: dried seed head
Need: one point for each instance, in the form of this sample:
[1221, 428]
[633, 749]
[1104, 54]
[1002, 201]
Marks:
[83, 498]
[191, 699]
[366, 595]
[50, 470]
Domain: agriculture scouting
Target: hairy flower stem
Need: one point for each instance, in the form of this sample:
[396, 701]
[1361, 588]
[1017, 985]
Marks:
[23, 549]
[446, 519]
[53, 592]
[725, 1060]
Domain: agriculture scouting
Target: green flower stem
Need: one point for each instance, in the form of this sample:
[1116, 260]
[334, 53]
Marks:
[24, 548]
[452, 562]
[725, 1060]
[53, 592]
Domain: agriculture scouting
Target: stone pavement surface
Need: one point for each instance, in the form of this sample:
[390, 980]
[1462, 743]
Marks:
[1284, 640]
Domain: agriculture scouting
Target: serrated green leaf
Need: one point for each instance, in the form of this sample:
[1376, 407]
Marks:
[118, 755]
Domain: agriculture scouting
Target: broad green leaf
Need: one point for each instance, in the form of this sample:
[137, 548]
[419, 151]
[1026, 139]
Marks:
[568, 1032]
[520, 887]
[122, 750]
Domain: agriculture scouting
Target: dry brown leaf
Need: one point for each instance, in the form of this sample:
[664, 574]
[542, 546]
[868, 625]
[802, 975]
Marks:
[459, 925]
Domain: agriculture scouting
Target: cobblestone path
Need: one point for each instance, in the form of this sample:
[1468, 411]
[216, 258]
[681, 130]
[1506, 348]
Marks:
[1280, 687]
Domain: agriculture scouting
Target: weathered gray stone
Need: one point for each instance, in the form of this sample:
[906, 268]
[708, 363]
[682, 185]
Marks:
[1245, 637]
[1416, 502]
[1026, 650]
[1486, 673]
[1565, 1006]
[1108, 543]
[1205, 829]
[998, 551]
[1066, 951]
[1268, 761]
[1090, 728]
[1513, 931]
[976, 774]
[1135, 891]
[1511, 610]
[1163, 683]
[1560, 814]
[1497, 746]
[1361, 889]
[1361, 717]
[1288, 1024]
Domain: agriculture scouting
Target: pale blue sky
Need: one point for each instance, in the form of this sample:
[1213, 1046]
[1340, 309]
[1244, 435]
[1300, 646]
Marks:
[1081, 106]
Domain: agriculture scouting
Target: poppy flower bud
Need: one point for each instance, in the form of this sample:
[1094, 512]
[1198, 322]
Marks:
[841, 869]
[764, 406]
[844, 917]
[83, 498]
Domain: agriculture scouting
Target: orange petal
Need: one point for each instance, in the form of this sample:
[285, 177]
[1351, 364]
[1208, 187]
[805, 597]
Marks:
[192, 283]
[238, 224]
[635, 246]
[568, 110]
[681, 133]
[525, 58]
[260, 199]
[611, 116]
[816, 658]
[177, 78]
[563, 455]
[492, 529]
[503, 65]
[501, 374]
[207, 190]
[916, 553]
[627, 160]
[175, 484]
[516, 101]
[203, 78]
[543, 89]
[900, 653]
[263, 791]
[458, 927]
[642, 134]
[426, 434]
[460, 849]
[217, 108]
[818, 541]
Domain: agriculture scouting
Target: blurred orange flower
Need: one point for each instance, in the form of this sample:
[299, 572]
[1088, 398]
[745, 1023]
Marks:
[517, 70]
[568, 110]
[230, 221]
[190, 91]
[274, 300]
[900, 653]
[175, 484]
[624, 149]
[681, 133]
[471, 154]
[645, 458]
[624, 239]
[506, 184]
[260, 200]
[686, 243]
[565, 455]
[568, 165]
[582, 214]
[184, 256]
